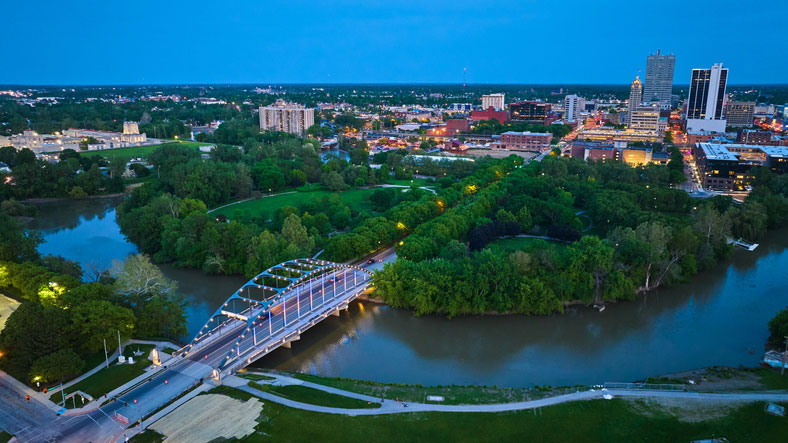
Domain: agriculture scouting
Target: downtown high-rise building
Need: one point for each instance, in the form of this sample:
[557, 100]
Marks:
[706, 101]
[659, 79]
[493, 101]
[573, 106]
[635, 99]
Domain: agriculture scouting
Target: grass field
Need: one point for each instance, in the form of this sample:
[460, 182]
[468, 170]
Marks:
[356, 199]
[585, 421]
[453, 395]
[415, 181]
[254, 377]
[110, 378]
[315, 397]
[5, 436]
[136, 151]
[519, 243]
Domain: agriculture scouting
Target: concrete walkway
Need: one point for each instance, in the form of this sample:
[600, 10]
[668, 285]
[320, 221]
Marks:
[392, 407]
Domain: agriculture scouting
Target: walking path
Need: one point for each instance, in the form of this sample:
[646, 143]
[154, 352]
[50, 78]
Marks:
[392, 407]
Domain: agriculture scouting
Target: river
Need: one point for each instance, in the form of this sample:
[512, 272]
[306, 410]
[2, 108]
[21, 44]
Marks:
[718, 319]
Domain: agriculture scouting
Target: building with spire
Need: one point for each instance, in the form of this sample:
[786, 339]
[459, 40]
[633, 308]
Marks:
[635, 99]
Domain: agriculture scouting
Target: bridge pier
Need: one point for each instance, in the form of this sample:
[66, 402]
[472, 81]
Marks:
[335, 313]
[288, 344]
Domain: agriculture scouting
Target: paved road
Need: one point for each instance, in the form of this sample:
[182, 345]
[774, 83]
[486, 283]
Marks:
[99, 425]
[16, 413]
[391, 407]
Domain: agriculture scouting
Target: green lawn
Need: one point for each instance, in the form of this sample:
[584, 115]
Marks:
[149, 436]
[585, 421]
[356, 199]
[315, 396]
[254, 377]
[409, 182]
[107, 379]
[5, 436]
[136, 151]
[453, 395]
[520, 243]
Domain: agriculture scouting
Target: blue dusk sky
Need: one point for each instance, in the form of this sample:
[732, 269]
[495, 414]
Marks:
[350, 41]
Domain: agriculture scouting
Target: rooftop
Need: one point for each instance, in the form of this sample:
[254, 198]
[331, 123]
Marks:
[718, 152]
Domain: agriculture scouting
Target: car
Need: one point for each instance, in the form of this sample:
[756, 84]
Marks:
[370, 261]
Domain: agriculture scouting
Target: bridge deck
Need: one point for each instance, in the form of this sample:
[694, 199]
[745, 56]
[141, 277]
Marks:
[274, 324]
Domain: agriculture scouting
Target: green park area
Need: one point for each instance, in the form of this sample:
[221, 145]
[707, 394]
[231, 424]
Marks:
[312, 396]
[511, 244]
[136, 151]
[581, 421]
[108, 379]
[452, 395]
[356, 199]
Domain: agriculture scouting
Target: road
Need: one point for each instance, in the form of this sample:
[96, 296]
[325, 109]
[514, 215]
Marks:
[36, 422]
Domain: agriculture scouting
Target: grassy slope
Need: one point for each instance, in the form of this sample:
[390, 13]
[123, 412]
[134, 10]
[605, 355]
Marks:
[591, 421]
[314, 396]
[453, 395]
[357, 199]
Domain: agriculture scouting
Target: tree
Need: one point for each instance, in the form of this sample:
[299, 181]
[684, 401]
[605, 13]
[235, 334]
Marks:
[778, 327]
[57, 366]
[334, 182]
[98, 320]
[17, 244]
[32, 331]
[161, 317]
[139, 279]
[295, 233]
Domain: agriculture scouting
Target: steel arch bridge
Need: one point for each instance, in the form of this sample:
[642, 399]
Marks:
[261, 305]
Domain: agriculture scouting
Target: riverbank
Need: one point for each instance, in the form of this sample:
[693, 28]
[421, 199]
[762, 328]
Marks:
[60, 199]
[311, 408]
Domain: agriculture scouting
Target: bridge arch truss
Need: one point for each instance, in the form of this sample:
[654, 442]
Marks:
[253, 301]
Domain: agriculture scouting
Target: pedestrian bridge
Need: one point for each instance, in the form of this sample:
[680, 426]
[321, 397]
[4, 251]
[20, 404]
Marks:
[273, 309]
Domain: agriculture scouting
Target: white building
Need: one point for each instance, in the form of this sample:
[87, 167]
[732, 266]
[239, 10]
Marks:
[573, 106]
[494, 100]
[646, 118]
[286, 117]
[705, 104]
[635, 99]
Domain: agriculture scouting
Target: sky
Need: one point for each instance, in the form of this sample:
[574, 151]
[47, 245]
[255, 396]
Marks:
[350, 41]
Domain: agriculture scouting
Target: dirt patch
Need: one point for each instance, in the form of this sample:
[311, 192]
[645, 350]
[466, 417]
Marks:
[686, 410]
[208, 417]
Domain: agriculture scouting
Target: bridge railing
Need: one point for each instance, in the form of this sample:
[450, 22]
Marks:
[314, 295]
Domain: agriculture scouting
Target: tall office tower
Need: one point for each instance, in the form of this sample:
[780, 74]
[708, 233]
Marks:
[573, 105]
[286, 117]
[635, 99]
[740, 114]
[706, 99]
[659, 79]
[494, 100]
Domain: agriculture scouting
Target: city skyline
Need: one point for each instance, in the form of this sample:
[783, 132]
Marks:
[355, 42]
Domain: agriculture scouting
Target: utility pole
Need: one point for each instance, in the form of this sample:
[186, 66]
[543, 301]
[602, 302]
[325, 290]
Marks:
[119, 348]
[106, 356]
[785, 354]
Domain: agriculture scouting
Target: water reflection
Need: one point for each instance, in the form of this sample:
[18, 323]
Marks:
[719, 318]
